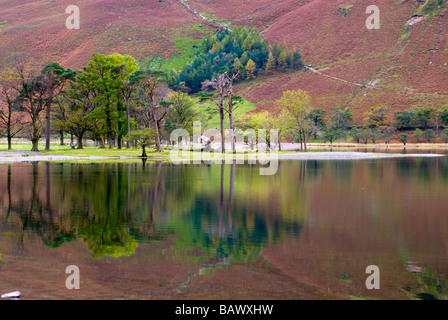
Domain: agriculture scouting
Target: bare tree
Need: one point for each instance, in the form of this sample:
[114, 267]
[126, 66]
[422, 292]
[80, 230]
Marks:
[218, 83]
[31, 99]
[12, 122]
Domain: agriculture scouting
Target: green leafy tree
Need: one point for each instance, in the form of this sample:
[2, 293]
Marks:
[79, 105]
[444, 136]
[365, 135]
[429, 135]
[403, 138]
[356, 134]
[144, 138]
[332, 134]
[102, 75]
[317, 116]
[418, 135]
[443, 115]
[298, 104]
[342, 119]
[424, 116]
[183, 113]
[404, 119]
[128, 66]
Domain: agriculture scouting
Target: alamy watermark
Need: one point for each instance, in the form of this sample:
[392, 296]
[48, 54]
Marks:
[252, 147]
[373, 21]
[373, 281]
[73, 21]
[73, 280]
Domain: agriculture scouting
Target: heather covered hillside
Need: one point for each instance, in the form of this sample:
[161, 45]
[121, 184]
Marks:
[402, 65]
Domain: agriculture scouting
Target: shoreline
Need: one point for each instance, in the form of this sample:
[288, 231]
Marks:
[323, 155]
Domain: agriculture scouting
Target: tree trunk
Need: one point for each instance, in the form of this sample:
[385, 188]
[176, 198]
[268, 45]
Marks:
[144, 155]
[304, 142]
[128, 123]
[101, 141]
[8, 133]
[35, 137]
[47, 131]
[156, 128]
[80, 143]
[223, 141]
[232, 133]
[62, 137]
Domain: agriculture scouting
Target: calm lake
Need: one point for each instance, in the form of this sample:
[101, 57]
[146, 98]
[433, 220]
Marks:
[164, 231]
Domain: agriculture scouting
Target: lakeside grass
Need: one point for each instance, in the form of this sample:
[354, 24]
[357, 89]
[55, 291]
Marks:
[56, 149]
[116, 154]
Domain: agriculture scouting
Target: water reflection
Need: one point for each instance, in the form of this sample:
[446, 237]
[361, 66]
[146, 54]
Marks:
[113, 207]
[323, 221]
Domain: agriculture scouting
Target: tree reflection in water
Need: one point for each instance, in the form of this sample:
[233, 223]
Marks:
[115, 206]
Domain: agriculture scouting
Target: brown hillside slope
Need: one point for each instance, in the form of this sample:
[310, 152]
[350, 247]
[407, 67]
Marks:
[136, 27]
[406, 64]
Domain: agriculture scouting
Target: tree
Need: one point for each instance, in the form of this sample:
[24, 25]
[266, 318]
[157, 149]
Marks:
[282, 122]
[77, 115]
[423, 116]
[317, 117]
[443, 115]
[403, 138]
[356, 134]
[342, 119]
[102, 75]
[11, 122]
[418, 135]
[183, 113]
[251, 68]
[444, 136]
[283, 59]
[374, 134]
[387, 134]
[404, 119]
[219, 84]
[31, 90]
[128, 66]
[258, 121]
[429, 135]
[144, 137]
[232, 101]
[276, 50]
[153, 84]
[270, 65]
[378, 116]
[365, 135]
[298, 104]
[331, 134]
[55, 77]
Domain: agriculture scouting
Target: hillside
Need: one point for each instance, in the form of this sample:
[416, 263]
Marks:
[402, 64]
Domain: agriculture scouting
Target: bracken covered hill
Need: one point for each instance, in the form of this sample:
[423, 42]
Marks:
[403, 64]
